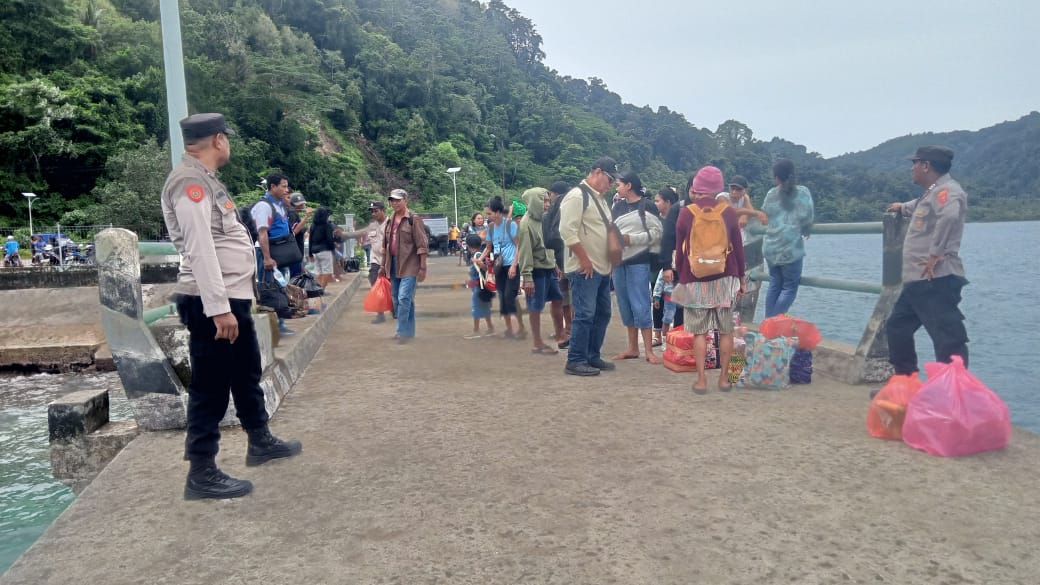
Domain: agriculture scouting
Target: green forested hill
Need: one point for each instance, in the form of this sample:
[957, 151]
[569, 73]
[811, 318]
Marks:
[352, 97]
[1002, 161]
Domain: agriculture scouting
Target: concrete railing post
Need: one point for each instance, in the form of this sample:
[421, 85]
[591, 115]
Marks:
[747, 304]
[872, 353]
[155, 392]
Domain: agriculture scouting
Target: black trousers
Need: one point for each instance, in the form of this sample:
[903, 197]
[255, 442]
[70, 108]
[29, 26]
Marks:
[220, 369]
[932, 303]
[507, 289]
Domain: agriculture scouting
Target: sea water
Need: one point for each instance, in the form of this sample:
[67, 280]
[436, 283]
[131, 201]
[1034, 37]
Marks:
[1000, 304]
[30, 499]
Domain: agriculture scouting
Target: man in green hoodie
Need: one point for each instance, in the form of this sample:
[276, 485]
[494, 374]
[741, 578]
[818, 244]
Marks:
[538, 268]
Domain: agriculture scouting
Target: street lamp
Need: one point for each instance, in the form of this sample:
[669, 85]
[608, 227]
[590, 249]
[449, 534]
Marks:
[454, 192]
[30, 197]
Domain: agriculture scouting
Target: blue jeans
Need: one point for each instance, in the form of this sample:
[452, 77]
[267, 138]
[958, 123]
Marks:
[402, 290]
[668, 312]
[590, 298]
[632, 288]
[478, 309]
[783, 287]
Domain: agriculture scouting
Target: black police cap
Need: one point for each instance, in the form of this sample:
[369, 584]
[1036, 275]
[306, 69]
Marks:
[933, 154]
[203, 125]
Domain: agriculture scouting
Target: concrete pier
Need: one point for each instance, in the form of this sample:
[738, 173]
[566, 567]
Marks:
[475, 462]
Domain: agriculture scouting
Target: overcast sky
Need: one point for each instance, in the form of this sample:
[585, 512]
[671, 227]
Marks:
[836, 76]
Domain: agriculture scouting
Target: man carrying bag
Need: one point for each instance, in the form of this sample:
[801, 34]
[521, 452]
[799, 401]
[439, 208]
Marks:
[276, 244]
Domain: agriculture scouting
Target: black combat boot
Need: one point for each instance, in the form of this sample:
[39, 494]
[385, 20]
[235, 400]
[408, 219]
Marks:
[263, 447]
[205, 481]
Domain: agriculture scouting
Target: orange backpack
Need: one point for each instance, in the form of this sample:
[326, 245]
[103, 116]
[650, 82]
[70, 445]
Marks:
[708, 245]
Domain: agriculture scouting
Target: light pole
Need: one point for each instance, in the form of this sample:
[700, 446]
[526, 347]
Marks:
[454, 192]
[30, 197]
[502, 153]
[173, 66]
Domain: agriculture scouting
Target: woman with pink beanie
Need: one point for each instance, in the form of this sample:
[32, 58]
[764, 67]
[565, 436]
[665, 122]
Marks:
[708, 300]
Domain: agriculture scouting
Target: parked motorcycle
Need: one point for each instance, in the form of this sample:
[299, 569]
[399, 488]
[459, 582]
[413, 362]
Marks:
[13, 261]
[49, 257]
[78, 254]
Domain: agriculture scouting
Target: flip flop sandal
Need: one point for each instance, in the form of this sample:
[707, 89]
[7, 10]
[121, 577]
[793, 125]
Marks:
[544, 351]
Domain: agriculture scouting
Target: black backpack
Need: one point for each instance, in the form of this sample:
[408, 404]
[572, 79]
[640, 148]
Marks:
[551, 226]
[245, 215]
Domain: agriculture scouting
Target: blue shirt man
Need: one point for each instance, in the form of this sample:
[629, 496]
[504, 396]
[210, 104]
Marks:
[271, 220]
[10, 247]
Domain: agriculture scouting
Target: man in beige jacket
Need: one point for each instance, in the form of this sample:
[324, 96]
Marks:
[584, 233]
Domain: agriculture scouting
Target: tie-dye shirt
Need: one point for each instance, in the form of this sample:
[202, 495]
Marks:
[783, 240]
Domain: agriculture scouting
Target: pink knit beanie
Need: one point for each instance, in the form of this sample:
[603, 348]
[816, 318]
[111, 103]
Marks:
[709, 181]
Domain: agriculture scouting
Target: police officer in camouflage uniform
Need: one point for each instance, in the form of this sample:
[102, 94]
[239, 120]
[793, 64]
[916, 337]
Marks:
[214, 296]
[933, 274]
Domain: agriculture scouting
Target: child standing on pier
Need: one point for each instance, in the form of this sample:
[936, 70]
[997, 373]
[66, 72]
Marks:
[663, 302]
[480, 306]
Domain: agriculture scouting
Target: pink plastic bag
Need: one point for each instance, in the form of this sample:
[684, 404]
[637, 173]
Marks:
[955, 414]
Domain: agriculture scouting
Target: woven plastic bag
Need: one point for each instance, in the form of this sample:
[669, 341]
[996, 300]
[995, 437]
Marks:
[768, 362]
[378, 300]
[888, 408]
[801, 367]
[787, 326]
[955, 414]
[735, 367]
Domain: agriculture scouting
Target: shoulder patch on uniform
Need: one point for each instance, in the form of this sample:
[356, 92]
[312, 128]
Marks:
[195, 192]
[229, 205]
[943, 196]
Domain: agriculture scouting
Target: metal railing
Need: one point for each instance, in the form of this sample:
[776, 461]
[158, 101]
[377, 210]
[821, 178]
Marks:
[157, 249]
[83, 233]
[842, 284]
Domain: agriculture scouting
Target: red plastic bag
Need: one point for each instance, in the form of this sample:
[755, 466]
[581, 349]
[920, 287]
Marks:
[888, 409]
[787, 326]
[379, 300]
[955, 414]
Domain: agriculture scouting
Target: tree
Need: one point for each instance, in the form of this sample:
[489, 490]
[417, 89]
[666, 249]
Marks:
[129, 193]
[29, 114]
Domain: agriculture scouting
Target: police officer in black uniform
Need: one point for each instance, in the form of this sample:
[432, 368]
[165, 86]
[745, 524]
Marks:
[214, 295]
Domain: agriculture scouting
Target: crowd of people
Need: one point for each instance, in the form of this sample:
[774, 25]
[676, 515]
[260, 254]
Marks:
[566, 247]
[555, 246]
[574, 247]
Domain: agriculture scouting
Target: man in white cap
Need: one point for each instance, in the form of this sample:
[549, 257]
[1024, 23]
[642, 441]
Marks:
[405, 249]
[10, 249]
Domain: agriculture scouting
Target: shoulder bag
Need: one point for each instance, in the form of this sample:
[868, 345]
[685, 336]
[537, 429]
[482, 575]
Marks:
[615, 243]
